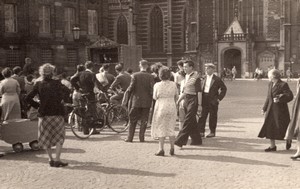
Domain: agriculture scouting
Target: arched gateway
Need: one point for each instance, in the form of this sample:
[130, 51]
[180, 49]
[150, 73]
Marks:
[233, 57]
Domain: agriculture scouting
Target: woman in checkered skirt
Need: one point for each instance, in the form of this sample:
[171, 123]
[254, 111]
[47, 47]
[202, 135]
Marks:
[51, 93]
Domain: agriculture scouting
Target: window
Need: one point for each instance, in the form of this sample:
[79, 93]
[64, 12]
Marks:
[156, 30]
[46, 56]
[69, 20]
[13, 58]
[72, 57]
[10, 14]
[122, 31]
[44, 18]
[92, 22]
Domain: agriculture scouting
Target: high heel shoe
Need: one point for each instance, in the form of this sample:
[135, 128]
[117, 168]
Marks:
[172, 152]
[295, 157]
[160, 153]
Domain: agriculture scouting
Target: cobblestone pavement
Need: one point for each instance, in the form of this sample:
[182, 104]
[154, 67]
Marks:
[233, 159]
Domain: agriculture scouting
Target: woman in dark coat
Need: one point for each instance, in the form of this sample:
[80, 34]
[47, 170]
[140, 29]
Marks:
[50, 112]
[276, 110]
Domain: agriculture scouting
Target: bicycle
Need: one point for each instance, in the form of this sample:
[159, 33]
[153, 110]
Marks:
[106, 115]
[117, 115]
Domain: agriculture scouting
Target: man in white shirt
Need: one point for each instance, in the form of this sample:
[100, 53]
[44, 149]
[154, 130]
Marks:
[214, 90]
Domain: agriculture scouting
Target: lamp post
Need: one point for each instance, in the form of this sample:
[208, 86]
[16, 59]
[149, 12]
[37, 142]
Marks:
[76, 32]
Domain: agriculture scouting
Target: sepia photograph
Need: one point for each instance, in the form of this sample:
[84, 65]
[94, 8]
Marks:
[136, 94]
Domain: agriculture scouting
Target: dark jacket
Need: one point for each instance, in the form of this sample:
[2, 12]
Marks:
[122, 81]
[51, 94]
[277, 115]
[141, 90]
[85, 80]
[217, 90]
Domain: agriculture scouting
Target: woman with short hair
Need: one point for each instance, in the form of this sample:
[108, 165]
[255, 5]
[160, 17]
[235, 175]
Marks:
[10, 91]
[276, 110]
[51, 93]
[165, 113]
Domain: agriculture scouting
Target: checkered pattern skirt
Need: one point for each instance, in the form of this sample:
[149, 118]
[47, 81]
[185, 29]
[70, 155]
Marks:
[51, 131]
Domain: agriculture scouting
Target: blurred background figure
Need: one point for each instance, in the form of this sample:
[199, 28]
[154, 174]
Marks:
[10, 91]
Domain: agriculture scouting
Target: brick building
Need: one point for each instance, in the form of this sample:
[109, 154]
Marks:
[42, 30]
[242, 33]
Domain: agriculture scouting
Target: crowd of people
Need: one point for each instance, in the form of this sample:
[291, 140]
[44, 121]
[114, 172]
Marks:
[155, 90]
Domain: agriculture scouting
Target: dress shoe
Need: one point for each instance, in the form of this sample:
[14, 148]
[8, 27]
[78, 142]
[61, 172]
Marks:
[288, 144]
[60, 164]
[210, 135]
[127, 140]
[295, 157]
[172, 153]
[142, 140]
[271, 149]
[160, 153]
[1, 155]
[202, 135]
[51, 163]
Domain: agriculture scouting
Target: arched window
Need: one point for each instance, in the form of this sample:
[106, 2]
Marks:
[122, 30]
[156, 30]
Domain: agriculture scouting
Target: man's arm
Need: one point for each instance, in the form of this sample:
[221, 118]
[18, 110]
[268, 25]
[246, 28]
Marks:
[116, 83]
[199, 94]
[223, 90]
[132, 84]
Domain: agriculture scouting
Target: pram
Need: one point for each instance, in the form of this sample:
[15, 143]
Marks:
[19, 131]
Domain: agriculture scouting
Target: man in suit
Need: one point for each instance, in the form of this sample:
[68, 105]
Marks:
[140, 90]
[86, 80]
[214, 90]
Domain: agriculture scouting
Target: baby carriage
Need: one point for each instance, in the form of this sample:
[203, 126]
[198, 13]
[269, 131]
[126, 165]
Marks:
[19, 131]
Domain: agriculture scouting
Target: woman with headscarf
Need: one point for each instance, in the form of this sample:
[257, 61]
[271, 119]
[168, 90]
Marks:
[51, 94]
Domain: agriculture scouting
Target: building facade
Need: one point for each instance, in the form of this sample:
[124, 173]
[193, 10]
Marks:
[243, 33]
[42, 30]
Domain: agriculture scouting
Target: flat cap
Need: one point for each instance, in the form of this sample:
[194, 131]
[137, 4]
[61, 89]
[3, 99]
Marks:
[211, 65]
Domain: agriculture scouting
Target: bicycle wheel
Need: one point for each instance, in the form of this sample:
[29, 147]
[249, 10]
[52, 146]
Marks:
[117, 118]
[76, 123]
[101, 119]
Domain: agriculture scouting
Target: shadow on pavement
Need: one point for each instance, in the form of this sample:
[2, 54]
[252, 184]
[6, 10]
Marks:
[230, 159]
[92, 166]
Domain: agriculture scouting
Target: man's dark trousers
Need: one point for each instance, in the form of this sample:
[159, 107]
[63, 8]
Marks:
[136, 114]
[208, 108]
[189, 127]
[92, 111]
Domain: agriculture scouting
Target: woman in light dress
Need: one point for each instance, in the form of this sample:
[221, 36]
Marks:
[165, 113]
[10, 90]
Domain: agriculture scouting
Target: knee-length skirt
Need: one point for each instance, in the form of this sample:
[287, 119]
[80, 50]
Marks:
[51, 131]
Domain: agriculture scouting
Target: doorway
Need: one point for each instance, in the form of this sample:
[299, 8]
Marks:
[232, 57]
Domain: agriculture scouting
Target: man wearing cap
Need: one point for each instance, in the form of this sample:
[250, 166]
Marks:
[214, 90]
[140, 91]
